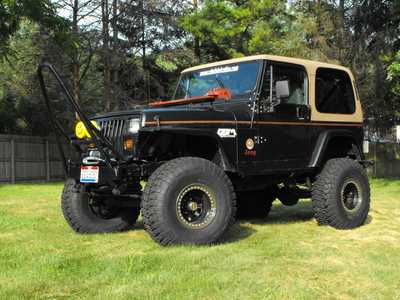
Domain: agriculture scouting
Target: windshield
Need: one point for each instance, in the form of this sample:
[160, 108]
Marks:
[240, 79]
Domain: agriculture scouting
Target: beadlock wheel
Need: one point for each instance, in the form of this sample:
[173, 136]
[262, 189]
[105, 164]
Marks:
[351, 196]
[341, 194]
[188, 200]
[196, 206]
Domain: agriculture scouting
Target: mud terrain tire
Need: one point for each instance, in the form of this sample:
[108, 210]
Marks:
[79, 215]
[188, 200]
[341, 194]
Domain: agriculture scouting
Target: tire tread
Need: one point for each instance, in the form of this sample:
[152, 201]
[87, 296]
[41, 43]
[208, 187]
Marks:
[79, 223]
[324, 195]
[151, 207]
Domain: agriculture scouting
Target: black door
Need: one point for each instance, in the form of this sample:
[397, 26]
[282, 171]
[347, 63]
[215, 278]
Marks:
[282, 117]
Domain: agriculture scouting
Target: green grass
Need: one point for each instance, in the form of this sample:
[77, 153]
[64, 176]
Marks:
[286, 256]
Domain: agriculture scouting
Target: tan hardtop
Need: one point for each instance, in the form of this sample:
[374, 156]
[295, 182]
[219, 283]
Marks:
[308, 64]
[311, 68]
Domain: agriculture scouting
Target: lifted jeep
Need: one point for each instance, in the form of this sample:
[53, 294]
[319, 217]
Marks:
[238, 134]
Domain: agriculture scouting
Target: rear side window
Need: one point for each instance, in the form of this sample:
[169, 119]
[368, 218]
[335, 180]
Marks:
[334, 92]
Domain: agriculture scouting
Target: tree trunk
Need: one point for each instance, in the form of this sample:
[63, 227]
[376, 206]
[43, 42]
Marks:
[196, 39]
[76, 90]
[106, 54]
[317, 15]
[341, 32]
[114, 60]
[75, 66]
[145, 73]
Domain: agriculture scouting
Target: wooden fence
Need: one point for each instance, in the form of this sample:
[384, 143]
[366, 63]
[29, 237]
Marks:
[387, 160]
[26, 158]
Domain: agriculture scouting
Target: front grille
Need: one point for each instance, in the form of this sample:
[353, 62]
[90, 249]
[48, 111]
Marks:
[112, 128]
[114, 131]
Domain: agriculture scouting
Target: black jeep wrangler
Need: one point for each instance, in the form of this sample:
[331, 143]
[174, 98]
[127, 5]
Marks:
[238, 134]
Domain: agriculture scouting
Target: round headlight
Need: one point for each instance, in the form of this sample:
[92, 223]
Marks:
[80, 130]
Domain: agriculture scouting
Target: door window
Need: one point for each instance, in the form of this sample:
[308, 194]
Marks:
[282, 86]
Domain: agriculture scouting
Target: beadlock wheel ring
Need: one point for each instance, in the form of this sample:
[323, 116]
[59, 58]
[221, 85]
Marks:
[351, 196]
[196, 206]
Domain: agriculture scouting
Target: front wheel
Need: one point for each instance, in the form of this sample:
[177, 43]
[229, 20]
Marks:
[188, 201]
[86, 215]
[341, 194]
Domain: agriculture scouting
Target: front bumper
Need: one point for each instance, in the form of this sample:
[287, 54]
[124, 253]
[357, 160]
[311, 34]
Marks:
[126, 173]
[106, 175]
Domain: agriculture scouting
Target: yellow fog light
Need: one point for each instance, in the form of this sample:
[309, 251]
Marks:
[80, 130]
[129, 144]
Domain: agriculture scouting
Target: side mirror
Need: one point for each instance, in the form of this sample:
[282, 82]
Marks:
[282, 89]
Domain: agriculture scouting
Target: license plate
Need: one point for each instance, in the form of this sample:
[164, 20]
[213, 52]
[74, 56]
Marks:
[89, 174]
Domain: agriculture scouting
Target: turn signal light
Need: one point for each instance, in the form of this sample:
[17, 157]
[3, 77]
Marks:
[129, 144]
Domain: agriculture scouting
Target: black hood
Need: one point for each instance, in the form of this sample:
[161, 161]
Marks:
[175, 113]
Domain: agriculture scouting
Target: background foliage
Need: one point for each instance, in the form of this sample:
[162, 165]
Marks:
[116, 54]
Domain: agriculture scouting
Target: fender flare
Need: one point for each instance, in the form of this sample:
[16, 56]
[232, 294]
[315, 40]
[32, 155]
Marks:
[224, 162]
[322, 143]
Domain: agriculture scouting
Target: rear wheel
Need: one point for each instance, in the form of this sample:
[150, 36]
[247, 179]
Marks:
[341, 194]
[188, 201]
[86, 215]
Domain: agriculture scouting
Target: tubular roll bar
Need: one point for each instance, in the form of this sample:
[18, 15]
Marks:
[101, 142]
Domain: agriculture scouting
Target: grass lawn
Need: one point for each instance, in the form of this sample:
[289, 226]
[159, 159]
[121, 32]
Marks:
[285, 256]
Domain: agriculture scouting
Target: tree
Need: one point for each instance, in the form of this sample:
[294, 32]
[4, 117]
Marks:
[236, 28]
[80, 41]
[148, 32]
[20, 111]
[12, 12]
[394, 74]
[376, 26]
[364, 36]
[196, 39]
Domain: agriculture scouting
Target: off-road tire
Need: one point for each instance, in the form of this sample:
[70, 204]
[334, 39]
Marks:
[161, 202]
[328, 194]
[77, 212]
[254, 204]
